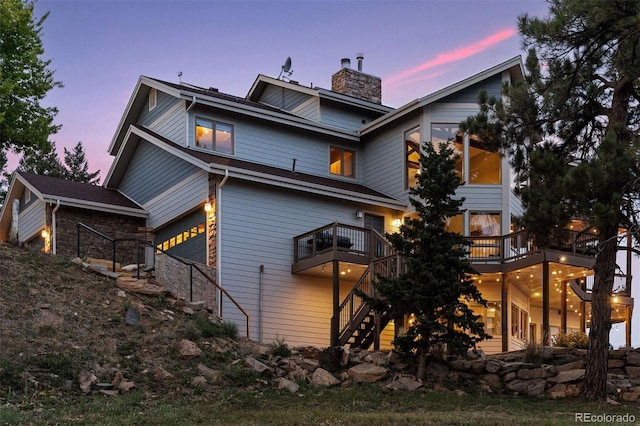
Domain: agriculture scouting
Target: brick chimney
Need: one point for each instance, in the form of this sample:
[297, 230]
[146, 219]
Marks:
[356, 83]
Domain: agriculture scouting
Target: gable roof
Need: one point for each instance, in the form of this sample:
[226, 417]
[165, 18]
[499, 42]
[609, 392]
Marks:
[513, 66]
[67, 193]
[251, 171]
[212, 97]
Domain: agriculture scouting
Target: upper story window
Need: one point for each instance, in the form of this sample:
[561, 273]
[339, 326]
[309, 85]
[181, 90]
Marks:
[342, 162]
[484, 165]
[453, 137]
[214, 136]
[412, 156]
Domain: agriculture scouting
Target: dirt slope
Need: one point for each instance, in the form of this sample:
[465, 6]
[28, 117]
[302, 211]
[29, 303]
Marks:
[58, 320]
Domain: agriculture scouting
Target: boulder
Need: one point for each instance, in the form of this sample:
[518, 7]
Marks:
[367, 373]
[632, 371]
[615, 363]
[288, 385]
[493, 366]
[86, 379]
[257, 366]
[435, 369]
[323, 378]
[211, 375]
[491, 380]
[530, 373]
[630, 396]
[633, 358]
[404, 383]
[189, 349]
[568, 376]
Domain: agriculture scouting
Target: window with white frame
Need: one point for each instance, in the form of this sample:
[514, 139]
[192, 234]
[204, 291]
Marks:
[342, 162]
[214, 136]
[27, 195]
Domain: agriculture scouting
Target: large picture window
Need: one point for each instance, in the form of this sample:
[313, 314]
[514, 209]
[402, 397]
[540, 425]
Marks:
[484, 165]
[342, 162]
[214, 136]
[412, 156]
[453, 137]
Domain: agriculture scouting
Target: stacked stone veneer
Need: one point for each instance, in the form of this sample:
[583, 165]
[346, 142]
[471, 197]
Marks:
[174, 275]
[91, 245]
[358, 84]
[561, 374]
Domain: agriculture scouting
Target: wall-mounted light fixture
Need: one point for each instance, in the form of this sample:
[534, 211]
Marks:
[207, 207]
[396, 222]
[359, 214]
[44, 234]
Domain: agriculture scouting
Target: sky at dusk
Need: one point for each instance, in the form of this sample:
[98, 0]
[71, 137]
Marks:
[100, 48]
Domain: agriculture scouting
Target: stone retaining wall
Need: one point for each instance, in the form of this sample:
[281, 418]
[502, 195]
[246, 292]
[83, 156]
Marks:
[174, 275]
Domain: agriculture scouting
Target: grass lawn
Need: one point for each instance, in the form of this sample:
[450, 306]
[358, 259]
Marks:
[357, 405]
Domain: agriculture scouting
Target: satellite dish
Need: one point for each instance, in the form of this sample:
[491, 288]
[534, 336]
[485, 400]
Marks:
[286, 69]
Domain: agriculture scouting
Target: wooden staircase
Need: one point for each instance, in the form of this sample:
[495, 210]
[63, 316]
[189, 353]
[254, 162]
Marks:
[360, 324]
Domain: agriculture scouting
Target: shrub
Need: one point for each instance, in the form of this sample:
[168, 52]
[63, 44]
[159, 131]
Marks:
[575, 339]
[279, 348]
[532, 353]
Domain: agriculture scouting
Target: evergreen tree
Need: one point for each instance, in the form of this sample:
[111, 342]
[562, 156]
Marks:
[25, 79]
[42, 162]
[572, 129]
[77, 166]
[436, 284]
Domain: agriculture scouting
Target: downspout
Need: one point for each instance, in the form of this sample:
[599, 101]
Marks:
[219, 236]
[186, 118]
[53, 227]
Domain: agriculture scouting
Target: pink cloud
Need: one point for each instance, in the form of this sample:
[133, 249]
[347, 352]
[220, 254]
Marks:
[454, 55]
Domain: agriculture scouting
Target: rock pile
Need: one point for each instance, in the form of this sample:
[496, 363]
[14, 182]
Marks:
[559, 375]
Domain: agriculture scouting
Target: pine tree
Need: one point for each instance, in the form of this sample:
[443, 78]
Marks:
[42, 162]
[572, 130]
[437, 282]
[77, 166]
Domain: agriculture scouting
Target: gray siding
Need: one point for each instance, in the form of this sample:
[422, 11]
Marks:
[493, 86]
[344, 118]
[171, 125]
[31, 220]
[189, 193]
[295, 307]
[309, 109]
[164, 103]
[277, 146]
[280, 97]
[383, 168]
[152, 171]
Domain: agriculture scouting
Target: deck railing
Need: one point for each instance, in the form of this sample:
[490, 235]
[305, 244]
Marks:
[520, 244]
[340, 237]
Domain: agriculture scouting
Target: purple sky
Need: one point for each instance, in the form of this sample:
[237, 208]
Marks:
[100, 48]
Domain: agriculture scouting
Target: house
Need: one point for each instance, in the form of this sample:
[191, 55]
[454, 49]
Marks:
[286, 194]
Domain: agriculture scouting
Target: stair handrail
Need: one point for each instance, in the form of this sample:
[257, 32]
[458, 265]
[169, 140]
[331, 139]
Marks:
[191, 265]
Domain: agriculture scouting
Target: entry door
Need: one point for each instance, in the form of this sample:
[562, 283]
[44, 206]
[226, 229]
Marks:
[377, 223]
[374, 222]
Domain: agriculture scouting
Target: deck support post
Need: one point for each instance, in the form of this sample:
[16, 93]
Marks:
[545, 304]
[563, 308]
[335, 319]
[503, 324]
